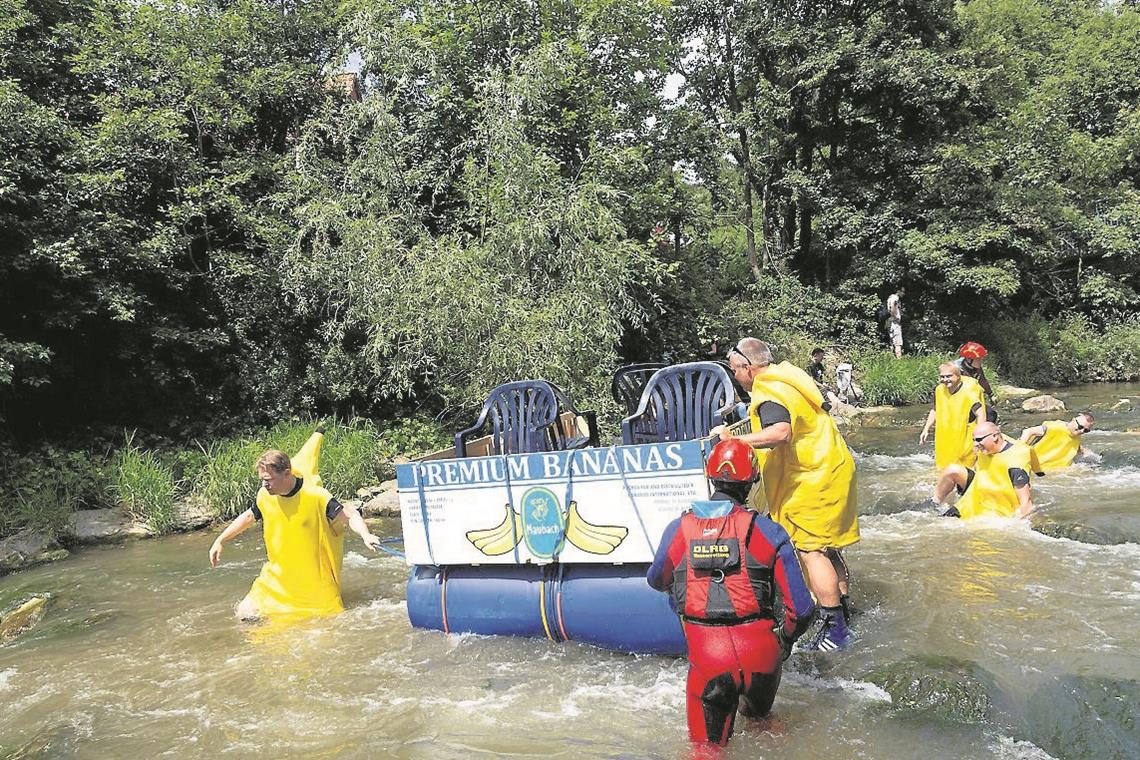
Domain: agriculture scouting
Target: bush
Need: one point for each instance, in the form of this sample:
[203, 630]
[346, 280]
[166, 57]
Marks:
[887, 380]
[145, 487]
[1035, 352]
[42, 488]
[352, 456]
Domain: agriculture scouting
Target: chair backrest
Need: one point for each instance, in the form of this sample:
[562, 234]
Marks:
[629, 381]
[684, 401]
[523, 418]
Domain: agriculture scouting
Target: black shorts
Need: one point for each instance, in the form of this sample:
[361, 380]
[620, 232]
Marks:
[969, 480]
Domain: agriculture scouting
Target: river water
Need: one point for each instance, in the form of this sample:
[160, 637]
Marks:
[976, 640]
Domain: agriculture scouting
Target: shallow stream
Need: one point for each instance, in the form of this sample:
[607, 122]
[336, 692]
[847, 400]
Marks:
[976, 640]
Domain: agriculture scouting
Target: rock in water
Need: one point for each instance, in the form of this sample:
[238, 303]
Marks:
[1078, 716]
[19, 618]
[1123, 405]
[1044, 403]
[1009, 391]
[937, 687]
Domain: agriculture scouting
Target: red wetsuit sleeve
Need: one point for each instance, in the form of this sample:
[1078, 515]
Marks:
[660, 575]
[793, 590]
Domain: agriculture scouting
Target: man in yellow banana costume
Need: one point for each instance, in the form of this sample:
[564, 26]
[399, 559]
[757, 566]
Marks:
[1058, 443]
[808, 477]
[304, 538]
[959, 403]
[998, 484]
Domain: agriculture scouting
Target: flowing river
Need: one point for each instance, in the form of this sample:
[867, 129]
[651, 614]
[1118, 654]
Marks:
[976, 640]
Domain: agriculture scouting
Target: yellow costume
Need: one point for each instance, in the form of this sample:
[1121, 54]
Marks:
[809, 482]
[992, 492]
[1058, 448]
[953, 430]
[302, 574]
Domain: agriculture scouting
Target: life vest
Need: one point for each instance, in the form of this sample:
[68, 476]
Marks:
[991, 492]
[953, 430]
[1058, 448]
[719, 581]
[302, 574]
[809, 482]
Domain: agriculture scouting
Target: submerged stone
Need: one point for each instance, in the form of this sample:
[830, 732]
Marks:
[1086, 534]
[22, 616]
[940, 688]
[1075, 716]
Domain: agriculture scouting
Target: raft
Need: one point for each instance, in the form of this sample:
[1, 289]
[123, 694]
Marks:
[552, 545]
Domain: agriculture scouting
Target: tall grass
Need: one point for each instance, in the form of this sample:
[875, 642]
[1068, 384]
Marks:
[887, 380]
[145, 487]
[352, 456]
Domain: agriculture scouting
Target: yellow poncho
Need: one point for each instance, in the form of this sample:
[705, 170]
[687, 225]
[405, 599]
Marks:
[992, 492]
[809, 482]
[953, 430]
[1058, 448]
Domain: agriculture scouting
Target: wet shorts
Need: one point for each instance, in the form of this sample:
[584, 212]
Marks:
[969, 480]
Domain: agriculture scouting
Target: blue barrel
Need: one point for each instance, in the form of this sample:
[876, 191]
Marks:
[609, 606]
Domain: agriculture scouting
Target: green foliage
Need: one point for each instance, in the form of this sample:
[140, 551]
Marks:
[1037, 352]
[42, 488]
[145, 486]
[411, 437]
[352, 456]
[887, 380]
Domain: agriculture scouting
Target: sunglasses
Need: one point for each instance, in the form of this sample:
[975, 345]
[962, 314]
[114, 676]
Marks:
[984, 437]
[740, 353]
[1081, 427]
[946, 377]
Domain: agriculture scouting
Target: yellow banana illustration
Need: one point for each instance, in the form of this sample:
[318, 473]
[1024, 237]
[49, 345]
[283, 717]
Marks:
[594, 539]
[500, 539]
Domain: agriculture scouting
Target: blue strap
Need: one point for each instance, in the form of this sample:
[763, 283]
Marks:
[636, 511]
[511, 506]
[424, 512]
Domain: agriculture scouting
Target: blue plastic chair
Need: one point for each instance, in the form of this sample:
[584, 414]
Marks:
[684, 402]
[523, 419]
[629, 381]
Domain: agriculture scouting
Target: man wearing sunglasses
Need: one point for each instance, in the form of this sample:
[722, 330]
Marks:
[808, 477]
[1058, 443]
[958, 404]
[999, 482]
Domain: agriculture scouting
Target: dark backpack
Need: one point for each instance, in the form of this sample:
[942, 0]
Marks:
[883, 313]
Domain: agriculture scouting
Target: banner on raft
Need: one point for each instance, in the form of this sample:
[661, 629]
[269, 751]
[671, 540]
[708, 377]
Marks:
[602, 505]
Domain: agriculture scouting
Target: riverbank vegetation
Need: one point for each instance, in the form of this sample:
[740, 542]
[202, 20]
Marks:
[219, 215]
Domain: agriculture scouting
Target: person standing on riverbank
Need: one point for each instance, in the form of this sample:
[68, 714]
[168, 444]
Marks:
[894, 320]
[958, 405]
[808, 477]
[1058, 443]
[725, 568]
[304, 526]
[998, 484]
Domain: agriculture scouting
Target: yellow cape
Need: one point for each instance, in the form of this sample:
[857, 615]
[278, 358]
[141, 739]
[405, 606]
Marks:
[809, 483]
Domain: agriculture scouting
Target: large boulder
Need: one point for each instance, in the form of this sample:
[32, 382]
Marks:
[385, 503]
[939, 688]
[1044, 403]
[28, 547]
[1012, 391]
[101, 526]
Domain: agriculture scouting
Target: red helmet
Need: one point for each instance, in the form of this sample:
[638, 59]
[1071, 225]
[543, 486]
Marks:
[733, 460]
[972, 350]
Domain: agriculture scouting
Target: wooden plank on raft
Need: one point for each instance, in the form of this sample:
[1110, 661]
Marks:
[570, 424]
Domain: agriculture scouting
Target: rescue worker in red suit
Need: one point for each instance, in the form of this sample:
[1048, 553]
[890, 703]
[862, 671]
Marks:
[726, 568]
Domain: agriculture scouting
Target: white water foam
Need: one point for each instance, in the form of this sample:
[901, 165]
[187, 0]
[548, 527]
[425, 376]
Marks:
[882, 462]
[5, 678]
[1006, 748]
[863, 690]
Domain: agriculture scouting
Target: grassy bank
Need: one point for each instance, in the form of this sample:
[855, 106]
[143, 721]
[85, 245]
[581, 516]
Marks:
[42, 489]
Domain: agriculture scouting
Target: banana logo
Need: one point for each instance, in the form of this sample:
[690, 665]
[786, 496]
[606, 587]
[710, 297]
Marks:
[594, 539]
[590, 538]
[500, 539]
